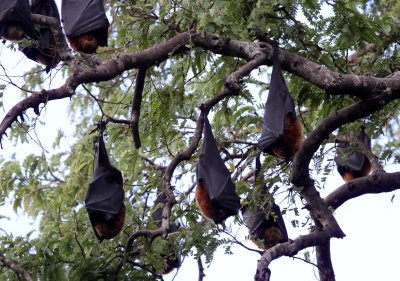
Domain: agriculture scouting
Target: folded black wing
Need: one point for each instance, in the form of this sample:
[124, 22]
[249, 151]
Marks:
[355, 161]
[279, 104]
[17, 11]
[46, 8]
[106, 193]
[257, 220]
[85, 16]
[212, 169]
[44, 51]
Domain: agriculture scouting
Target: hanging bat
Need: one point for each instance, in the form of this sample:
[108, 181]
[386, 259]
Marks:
[105, 197]
[264, 231]
[15, 20]
[356, 164]
[215, 193]
[85, 24]
[282, 133]
[44, 51]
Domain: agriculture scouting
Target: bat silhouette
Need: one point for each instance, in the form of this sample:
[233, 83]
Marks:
[44, 51]
[215, 193]
[356, 164]
[265, 230]
[105, 197]
[281, 130]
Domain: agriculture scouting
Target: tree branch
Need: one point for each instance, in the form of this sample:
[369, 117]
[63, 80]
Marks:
[14, 267]
[201, 269]
[136, 102]
[376, 183]
[300, 170]
[289, 249]
[325, 268]
[102, 70]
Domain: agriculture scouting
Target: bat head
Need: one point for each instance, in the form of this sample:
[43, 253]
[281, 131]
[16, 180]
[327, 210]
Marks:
[13, 32]
[85, 44]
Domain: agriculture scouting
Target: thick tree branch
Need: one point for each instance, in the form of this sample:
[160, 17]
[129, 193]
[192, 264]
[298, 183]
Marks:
[14, 267]
[300, 170]
[346, 115]
[325, 268]
[103, 70]
[376, 183]
[289, 249]
[136, 103]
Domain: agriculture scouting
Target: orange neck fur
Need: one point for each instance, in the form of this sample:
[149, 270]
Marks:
[270, 237]
[204, 202]
[86, 44]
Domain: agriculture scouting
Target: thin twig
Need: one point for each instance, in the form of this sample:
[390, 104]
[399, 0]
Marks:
[201, 269]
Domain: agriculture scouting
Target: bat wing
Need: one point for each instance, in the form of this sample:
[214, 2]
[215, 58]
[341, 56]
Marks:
[355, 161]
[253, 220]
[47, 8]
[157, 215]
[256, 220]
[17, 11]
[106, 193]
[279, 222]
[82, 16]
[212, 169]
[279, 104]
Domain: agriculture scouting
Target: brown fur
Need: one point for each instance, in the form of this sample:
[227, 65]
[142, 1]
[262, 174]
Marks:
[86, 44]
[13, 32]
[288, 146]
[110, 229]
[206, 206]
[204, 202]
[270, 237]
[48, 57]
[349, 175]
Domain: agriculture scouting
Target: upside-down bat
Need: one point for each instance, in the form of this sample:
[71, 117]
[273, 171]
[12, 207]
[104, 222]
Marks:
[85, 24]
[265, 231]
[215, 193]
[282, 133]
[356, 164]
[105, 197]
[44, 51]
[15, 20]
